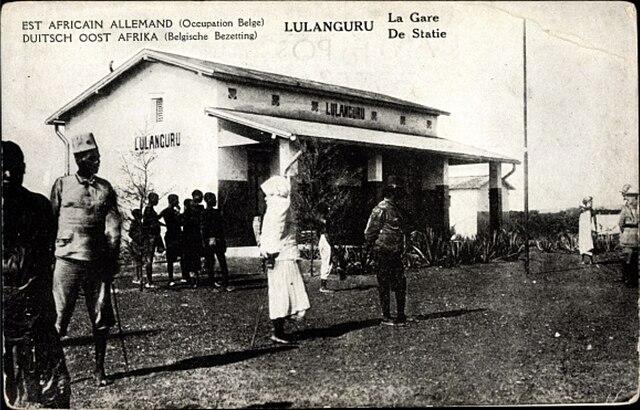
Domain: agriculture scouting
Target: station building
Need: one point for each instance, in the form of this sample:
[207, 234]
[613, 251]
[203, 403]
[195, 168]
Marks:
[227, 129]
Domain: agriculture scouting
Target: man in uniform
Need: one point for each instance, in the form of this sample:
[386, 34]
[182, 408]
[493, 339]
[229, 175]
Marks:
[384, 236]
[35, 372]
[87, 246]
[629, 235]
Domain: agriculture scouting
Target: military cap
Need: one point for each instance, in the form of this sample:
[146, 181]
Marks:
[629, 189]
[83, 142]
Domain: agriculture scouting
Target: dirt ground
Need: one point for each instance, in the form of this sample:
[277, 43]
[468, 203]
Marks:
[483, 334]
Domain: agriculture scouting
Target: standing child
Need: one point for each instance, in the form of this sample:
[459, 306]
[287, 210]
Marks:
[171, 216]
[324, 247]
[135, 233]
[152, 238]
[586, 229]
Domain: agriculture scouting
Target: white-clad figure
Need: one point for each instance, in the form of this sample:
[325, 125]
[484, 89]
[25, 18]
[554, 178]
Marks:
[586, 230]
[286, 290]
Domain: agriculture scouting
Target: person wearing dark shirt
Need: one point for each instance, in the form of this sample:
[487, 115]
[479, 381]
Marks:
[35, 371]
[191, 241]
[172, 236]
[213, 241]
[152, 238]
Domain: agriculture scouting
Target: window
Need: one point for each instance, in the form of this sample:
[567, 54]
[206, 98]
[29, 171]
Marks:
[403, 120]
[275, 100]
[374, 116]
[429, 123]
[233, 94]
[314, 106]
[158, 109]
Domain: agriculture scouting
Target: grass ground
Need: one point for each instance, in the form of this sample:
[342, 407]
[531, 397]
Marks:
[483, 334]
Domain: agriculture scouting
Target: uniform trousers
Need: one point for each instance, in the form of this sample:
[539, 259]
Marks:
[69, 277]
[391, 277]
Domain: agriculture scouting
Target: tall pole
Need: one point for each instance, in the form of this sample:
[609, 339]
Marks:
[526, 151]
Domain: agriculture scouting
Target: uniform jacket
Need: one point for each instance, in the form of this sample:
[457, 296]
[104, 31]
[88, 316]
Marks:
[385, 229]
[28, 229]
[88, 218]
[629, 227]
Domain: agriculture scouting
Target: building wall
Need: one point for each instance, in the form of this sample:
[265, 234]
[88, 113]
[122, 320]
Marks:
[463, 213]
[469, 211]
[297, 105]
[126, 112]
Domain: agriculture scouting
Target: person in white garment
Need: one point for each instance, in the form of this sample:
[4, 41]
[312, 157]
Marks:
[324, 247]
[586, 229]
[286, 290]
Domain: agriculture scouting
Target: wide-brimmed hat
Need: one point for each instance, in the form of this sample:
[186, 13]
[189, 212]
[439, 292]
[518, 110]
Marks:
[629, 189]
[587, 199]
[83, 142]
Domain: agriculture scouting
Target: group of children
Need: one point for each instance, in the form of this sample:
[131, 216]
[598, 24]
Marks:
[194, 234]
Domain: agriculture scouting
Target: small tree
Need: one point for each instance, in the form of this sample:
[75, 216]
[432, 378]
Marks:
[137, 168]
[322, 173]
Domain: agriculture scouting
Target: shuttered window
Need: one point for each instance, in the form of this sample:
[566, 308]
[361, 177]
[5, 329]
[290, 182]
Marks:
[159, 109]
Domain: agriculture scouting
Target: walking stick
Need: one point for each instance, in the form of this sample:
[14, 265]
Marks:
[259, 313]
[115, 305]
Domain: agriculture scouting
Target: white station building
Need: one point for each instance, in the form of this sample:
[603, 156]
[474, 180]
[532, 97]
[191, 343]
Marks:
[226, 129]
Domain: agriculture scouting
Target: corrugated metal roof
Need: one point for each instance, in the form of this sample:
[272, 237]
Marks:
[473, 182]
[290, 128]
[225, 71]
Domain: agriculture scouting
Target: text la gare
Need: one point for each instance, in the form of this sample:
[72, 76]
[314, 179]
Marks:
[416, 17]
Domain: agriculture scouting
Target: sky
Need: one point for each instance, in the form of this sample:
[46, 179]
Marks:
[582, 88]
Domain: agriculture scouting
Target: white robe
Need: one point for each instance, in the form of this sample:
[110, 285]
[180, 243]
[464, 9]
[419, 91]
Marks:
[585, 226]
[287, 293]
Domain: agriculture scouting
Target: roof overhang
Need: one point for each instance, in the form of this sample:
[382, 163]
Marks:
[292, 129]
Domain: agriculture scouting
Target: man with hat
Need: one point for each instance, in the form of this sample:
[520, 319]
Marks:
[629, 235]
[87, 246]
[384, 236]
[35, 372]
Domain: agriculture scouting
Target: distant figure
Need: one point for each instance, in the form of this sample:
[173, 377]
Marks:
[191, 242]
[629, 235]
[137, 241]
[198, 209]
[35, 372]
[152, 239]
[324, 247]
[384, 236]
[287, 294]
[586, 230]
[213, 241]
[87, 246]
[172, 237]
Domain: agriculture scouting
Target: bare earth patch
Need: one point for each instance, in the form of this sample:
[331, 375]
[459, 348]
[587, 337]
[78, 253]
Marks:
[483, 334]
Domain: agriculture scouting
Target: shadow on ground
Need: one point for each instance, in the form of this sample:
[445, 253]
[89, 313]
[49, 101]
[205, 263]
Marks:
[449, 313]
[203, 361]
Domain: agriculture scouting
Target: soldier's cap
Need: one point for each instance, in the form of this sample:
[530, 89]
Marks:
[628, 190]
[83, 142]
[12, 153]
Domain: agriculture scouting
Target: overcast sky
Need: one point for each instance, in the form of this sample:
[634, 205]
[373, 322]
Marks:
[582, 77]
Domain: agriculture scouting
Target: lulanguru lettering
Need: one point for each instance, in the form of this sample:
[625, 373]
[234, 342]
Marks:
[167, 140]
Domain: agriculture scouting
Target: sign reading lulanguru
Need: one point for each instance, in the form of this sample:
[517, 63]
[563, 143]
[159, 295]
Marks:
[166, 140]
[140, 30]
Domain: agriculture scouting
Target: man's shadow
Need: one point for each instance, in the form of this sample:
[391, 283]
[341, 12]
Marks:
[203, 361]
[340, 329]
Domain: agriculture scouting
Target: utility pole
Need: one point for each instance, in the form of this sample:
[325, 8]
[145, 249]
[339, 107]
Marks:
[526, 151]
